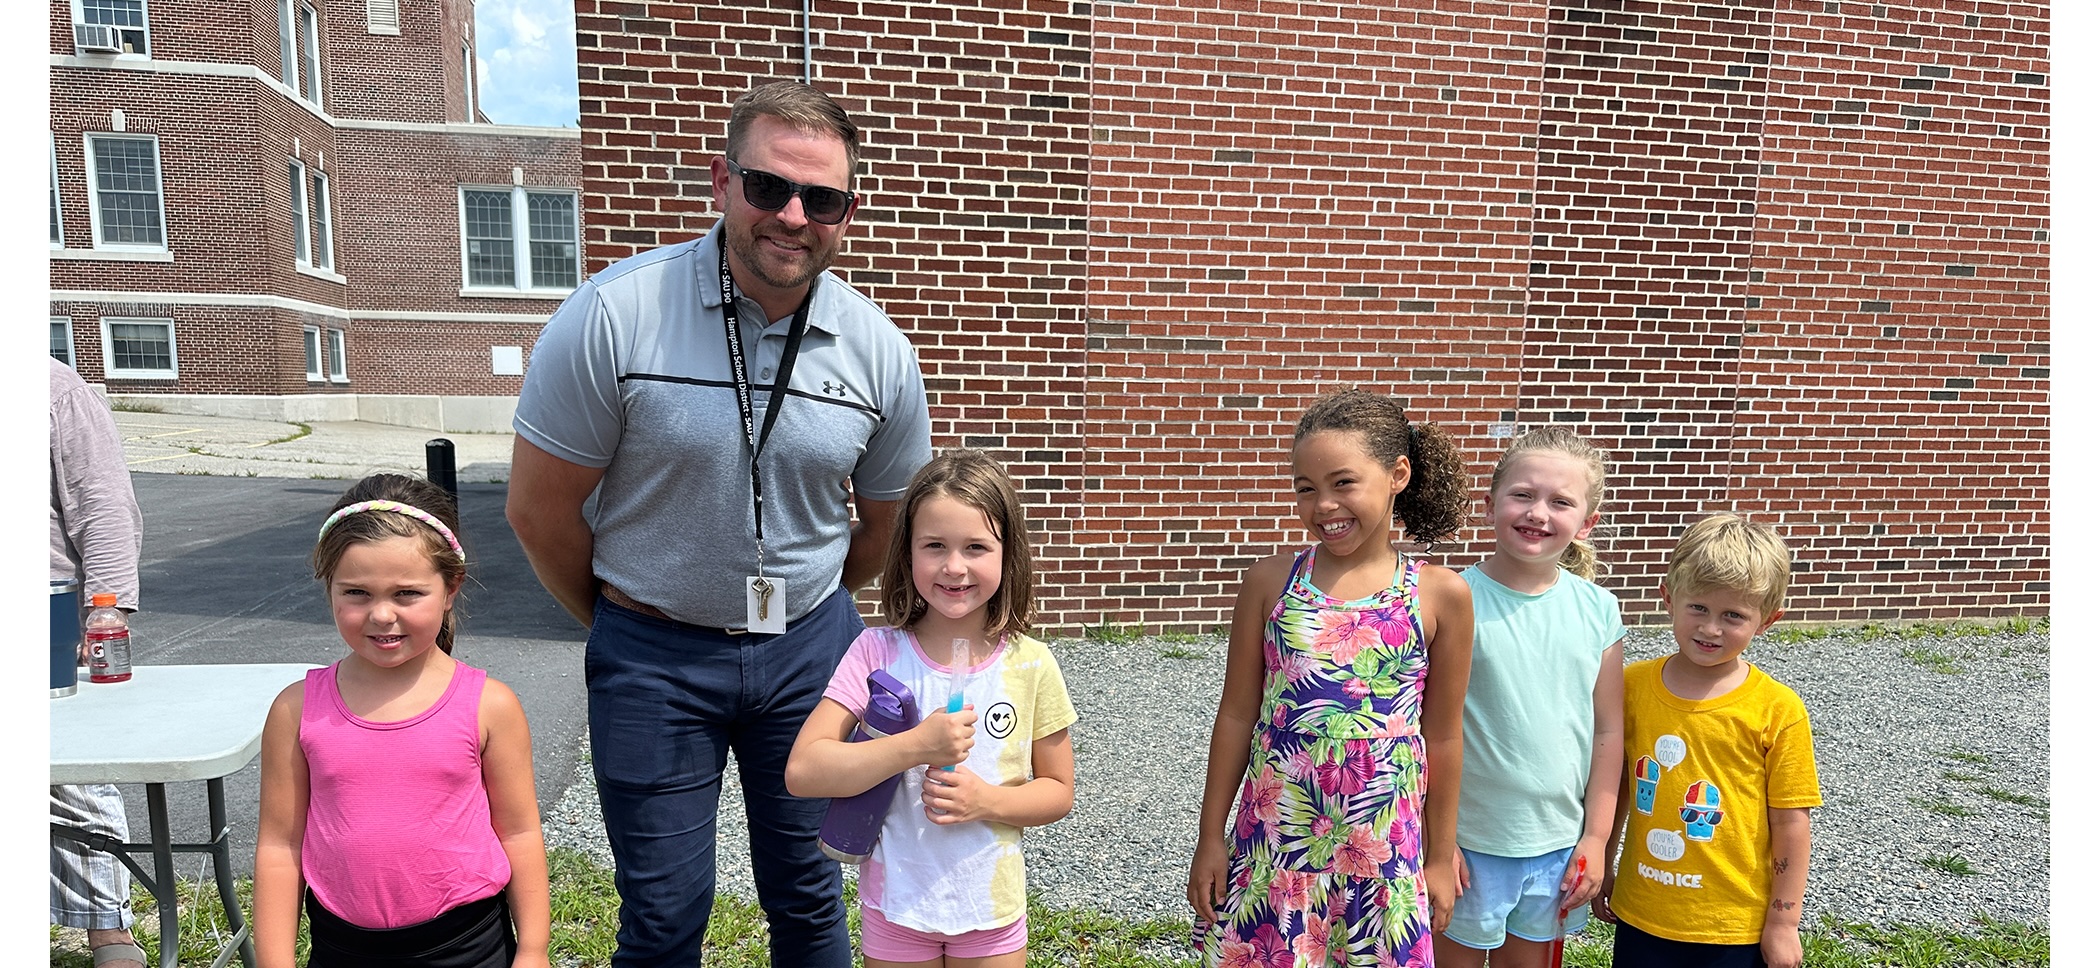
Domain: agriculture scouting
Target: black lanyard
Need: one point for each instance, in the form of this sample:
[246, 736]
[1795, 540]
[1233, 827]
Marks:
[754, 435]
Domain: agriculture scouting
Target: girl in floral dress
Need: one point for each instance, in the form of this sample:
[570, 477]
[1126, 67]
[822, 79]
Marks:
[1331, 721]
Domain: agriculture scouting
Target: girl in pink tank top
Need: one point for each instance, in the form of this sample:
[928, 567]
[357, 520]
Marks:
[397, 789]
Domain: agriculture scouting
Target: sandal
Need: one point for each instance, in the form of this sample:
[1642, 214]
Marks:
[119, 952]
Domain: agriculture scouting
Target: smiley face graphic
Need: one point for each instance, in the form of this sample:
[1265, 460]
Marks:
[999, 720]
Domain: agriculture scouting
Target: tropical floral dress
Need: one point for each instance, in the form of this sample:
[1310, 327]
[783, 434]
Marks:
[1326, 862]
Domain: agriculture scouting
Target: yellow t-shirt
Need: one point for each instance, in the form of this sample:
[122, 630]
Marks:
[1697, 859]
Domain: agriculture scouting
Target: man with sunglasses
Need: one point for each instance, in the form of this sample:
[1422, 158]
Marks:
[725, 397]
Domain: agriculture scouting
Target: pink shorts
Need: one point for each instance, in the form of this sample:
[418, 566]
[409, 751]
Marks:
[889, 942]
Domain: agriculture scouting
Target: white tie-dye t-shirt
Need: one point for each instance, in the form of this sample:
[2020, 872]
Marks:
[960, 877]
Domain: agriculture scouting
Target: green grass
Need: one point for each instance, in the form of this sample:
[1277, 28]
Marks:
[1942, 806]
[1797, 634]
[1950, 864]
[1934, 660]
[203, 930]
[1109, 633]
[1179, 652]
[1956, 777]
[303, 430]
[135, 406]
[1965, 756]
[2007, 796]
[586, 917]
[1992, 942]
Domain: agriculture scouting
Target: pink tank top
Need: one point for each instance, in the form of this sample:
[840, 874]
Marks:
[397, 819]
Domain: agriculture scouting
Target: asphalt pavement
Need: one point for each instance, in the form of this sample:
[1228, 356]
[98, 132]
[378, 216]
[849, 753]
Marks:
[231, 508]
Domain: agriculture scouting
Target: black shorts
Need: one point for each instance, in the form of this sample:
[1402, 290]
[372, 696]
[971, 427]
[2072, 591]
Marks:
[1633, 948]
[477, 934]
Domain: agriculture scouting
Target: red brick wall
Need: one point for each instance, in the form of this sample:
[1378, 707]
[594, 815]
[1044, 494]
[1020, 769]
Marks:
[1786, 258]
[1791, 260]
[415, 76]
[1903, 308]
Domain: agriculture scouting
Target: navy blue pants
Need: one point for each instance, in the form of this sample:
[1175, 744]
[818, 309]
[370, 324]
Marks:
[668, 702]
[1635, 948]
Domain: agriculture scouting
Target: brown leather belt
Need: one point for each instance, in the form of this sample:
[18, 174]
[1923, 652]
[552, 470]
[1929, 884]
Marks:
[622, 599]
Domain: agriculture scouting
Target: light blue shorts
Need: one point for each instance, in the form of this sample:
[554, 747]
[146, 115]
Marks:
[1512, 896]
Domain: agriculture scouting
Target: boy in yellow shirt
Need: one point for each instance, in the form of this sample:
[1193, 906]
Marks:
[1720, 772]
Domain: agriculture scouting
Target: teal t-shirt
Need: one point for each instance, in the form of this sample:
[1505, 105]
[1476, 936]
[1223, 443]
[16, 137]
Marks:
[1529, 718]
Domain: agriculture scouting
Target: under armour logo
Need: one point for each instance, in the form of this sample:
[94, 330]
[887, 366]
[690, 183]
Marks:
[834, 389]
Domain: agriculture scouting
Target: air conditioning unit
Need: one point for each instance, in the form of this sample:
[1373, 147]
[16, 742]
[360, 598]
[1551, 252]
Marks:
[98, 38]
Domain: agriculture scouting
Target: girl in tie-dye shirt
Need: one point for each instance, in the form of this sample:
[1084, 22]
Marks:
[945, 880]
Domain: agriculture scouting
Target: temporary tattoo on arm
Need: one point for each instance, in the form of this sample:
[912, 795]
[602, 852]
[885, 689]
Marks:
[1779, 904]
[1780, 865]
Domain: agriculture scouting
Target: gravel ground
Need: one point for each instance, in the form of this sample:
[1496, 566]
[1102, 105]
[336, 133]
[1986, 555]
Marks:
[1927, 748]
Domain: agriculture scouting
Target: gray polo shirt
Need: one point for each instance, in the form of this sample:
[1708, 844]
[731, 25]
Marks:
[632, 375]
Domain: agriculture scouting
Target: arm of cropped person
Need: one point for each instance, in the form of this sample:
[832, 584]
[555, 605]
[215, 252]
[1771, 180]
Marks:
[514, 811]
[1781, 943]
[1239, 703]
[823, 764]
[92, 486]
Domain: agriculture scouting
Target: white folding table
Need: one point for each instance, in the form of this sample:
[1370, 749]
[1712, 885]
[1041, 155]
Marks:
[169, 724]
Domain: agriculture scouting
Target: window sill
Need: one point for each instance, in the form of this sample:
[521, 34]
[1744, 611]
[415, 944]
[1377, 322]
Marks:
[341, 381]
[322, 274]
[138, 375]
[114, 255]
[487, 293]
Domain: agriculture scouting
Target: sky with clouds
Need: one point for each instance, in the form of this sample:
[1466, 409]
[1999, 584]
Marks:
[527, 50]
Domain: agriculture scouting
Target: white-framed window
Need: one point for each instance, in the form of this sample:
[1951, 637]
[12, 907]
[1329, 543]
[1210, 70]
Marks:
[312, 335]
[126, 17]
[310, 53]
[299, 49]
[318, 218]
[124, 196]
[58, 224]
[302, 246]
[338, 359]
[138, 349]
[62, 339]
[313, 243]
[499, 256]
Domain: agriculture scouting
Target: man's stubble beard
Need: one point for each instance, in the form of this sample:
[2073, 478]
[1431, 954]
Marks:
[746, 247]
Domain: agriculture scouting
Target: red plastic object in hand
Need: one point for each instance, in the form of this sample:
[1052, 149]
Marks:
[1560, 940]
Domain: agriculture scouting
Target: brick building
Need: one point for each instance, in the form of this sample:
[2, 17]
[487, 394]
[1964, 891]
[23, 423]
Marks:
[1784, 257]
[294, 209]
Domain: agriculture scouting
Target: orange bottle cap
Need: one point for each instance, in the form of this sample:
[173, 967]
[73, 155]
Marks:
[103, 600]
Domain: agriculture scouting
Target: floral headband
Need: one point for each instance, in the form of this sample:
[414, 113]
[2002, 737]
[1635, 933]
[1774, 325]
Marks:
[398, 508]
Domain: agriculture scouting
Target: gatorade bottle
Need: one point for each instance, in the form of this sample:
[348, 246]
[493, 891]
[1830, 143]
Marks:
[108, 641]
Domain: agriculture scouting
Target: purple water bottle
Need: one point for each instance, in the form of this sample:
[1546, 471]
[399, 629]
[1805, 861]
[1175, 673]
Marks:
[853, 823]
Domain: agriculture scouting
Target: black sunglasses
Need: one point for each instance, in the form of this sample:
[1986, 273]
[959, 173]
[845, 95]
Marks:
[770, 192]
